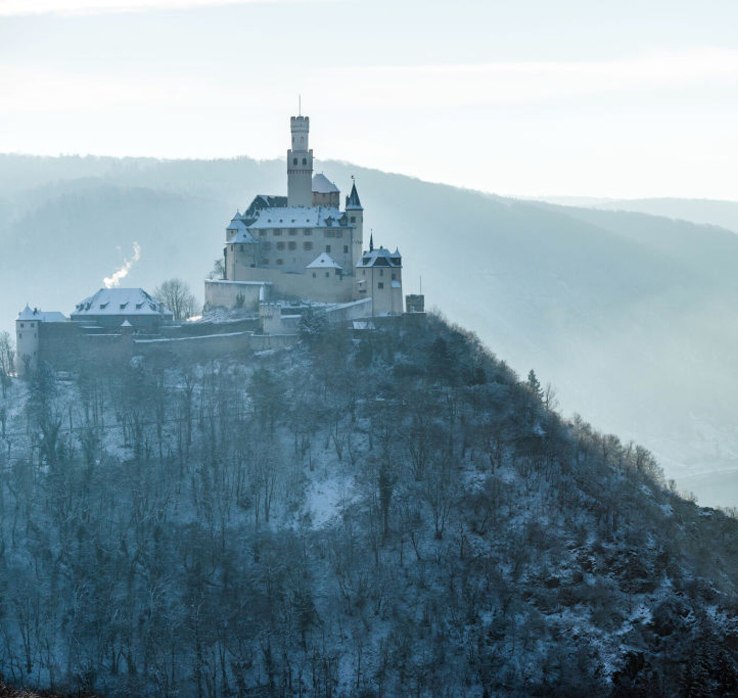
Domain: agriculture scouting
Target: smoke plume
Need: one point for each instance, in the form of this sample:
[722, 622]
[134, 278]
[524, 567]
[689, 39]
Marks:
[115, 278]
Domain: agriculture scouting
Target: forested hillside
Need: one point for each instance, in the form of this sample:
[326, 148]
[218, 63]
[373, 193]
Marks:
[388, 513]
[631, 317]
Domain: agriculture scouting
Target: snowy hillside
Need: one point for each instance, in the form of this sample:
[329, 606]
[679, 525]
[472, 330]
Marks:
[391, 513]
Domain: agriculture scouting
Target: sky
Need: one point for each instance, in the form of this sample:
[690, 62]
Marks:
[526, 98]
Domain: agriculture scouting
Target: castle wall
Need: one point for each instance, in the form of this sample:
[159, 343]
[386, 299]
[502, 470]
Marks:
[67, 347]
[26, 344]
[59, 344]
[208, 347]
[228, 294]
[291, 249]
[384, 286]
[323, 285]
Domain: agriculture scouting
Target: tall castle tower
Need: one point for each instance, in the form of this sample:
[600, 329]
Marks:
[300, 164]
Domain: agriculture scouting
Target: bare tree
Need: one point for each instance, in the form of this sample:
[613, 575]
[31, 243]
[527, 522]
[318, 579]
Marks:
[6, 361]
[177, 296]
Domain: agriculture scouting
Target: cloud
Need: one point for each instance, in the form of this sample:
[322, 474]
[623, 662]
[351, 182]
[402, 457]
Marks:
[117, 276]
[14, 8]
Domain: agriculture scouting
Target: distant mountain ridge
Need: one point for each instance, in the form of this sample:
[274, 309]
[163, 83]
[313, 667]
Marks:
[628, 315]
[721, 213]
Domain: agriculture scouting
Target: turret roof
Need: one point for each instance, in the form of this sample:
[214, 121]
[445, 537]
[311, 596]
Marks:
[40, 316]
[380, 257]
[352, 200]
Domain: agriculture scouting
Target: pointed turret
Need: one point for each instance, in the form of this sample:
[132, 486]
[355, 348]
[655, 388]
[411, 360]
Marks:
[353, 201]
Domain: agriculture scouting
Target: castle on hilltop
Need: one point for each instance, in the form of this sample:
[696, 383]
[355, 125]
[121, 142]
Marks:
[303, 246]
[282, 256]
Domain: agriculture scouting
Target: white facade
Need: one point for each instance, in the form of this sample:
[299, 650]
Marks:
[286, 240]
[27, 336]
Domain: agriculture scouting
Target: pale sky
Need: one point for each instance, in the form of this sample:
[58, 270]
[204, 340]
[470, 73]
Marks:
[619, 99]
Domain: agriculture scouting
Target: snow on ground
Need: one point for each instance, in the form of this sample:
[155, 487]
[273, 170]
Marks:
[325, 498]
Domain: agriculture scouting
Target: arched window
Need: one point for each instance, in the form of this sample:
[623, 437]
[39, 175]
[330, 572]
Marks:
[304, 161]
[294, 161]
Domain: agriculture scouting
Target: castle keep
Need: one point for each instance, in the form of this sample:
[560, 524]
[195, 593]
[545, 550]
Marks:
[304, 246]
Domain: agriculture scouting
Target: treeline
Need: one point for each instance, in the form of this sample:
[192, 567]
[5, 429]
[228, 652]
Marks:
[388, 513]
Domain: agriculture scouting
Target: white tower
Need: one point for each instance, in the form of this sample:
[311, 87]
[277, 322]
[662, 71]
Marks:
[26, 340]
[300, 164]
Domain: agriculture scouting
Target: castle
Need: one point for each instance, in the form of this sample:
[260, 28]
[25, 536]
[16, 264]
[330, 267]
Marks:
[283, 255]
[303, 246]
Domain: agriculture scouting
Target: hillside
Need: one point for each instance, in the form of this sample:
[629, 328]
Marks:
[723, 214]
[628, 316]
[394, 513]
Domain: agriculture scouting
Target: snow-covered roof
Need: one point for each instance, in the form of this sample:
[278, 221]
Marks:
[380, 257]
[299, 217]
[236, 223]
[324, 261]
[237, 231]
[41, 316]
[120, 301]
[323, 185]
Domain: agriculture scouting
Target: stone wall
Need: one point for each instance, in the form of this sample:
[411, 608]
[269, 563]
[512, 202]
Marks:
[323, 285]
[227, 294]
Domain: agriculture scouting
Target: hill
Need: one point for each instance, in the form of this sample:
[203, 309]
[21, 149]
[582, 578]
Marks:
[629, 316]
[702, 211]
[392, 513]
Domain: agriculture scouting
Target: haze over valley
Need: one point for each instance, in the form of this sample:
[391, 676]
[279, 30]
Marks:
[629, 316]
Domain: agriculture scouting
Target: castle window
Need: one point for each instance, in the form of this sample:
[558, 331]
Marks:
[307, 231]
[380, 284]
[22, 325]
[394, 276]
[381, 272]
[293, 231]
[315, 275]
[345, 249]
[280, 245]
[262, 233]
[329, 233]
[307, 245]
[292, 245]
[294, 161]
[327, 274]
[304, 161]
[327, 248]
[278, 231]
[20, 335]
[353, 219]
